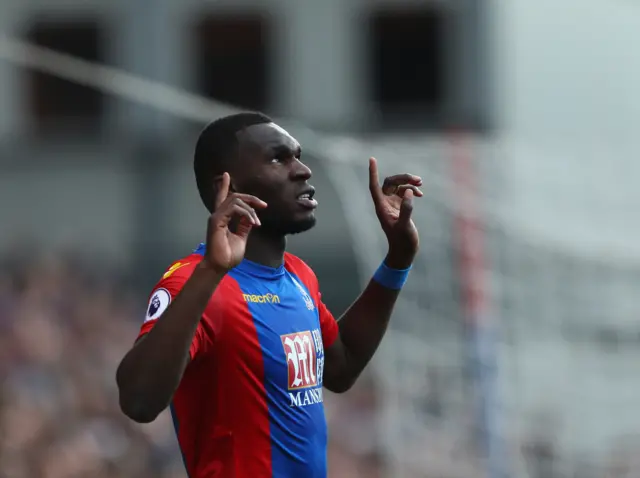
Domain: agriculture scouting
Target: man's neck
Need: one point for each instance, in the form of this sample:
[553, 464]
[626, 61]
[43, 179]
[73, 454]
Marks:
[265, 249]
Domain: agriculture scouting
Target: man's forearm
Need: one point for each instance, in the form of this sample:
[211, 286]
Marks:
[151, 372]
[364, 324]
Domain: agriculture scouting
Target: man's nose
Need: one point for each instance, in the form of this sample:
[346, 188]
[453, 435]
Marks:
[300, 171]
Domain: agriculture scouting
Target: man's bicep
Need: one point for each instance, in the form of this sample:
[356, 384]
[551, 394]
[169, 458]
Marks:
[200, 343]
[194, 349]
[335, 366]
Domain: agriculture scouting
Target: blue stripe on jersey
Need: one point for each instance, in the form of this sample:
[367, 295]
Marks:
[176, 427]
[297, 424]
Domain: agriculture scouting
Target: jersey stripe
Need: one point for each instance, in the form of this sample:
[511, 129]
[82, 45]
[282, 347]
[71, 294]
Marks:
[250, 411]
[278, 460]
[317, 459]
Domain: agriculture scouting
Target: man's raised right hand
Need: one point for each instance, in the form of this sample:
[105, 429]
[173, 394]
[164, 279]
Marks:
[226, 248]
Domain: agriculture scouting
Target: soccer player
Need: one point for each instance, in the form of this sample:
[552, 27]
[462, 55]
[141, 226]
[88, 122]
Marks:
[237, 340]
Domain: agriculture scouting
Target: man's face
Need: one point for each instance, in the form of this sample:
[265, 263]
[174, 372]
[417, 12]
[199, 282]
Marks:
[269, 167]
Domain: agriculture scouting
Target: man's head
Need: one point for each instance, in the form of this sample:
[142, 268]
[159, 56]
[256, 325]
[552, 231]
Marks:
[263, 160]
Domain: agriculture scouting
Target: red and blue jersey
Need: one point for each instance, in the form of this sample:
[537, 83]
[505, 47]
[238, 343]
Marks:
[250, 402]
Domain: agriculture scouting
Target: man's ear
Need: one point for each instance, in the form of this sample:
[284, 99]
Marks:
[217, 183]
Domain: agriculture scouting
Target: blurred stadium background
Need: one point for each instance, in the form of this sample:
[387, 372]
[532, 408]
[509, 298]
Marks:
[515, 351]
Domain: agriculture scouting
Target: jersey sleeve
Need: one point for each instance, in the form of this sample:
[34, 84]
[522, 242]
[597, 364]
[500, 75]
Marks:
[328, 323]
[162, 295]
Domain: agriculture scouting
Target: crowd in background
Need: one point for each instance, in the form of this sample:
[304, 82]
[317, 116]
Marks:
[65, 324]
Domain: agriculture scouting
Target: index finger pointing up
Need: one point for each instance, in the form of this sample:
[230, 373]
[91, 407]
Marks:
[374, 182]
[224, 189]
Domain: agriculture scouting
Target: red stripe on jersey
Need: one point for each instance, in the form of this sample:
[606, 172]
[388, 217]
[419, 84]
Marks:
[242, 383]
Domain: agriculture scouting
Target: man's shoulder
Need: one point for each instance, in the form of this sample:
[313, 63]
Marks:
[302, 270]
[296, 265]
[180, 271]
[182, 268]
[174, 276]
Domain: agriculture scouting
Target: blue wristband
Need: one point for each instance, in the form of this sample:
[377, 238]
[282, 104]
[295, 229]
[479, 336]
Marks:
[391, 278]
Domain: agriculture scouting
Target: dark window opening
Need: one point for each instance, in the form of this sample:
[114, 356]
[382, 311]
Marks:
[232, 60]
[407, 62]
[56, 103]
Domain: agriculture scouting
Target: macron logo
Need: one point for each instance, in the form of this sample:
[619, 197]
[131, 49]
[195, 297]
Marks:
[261, 299]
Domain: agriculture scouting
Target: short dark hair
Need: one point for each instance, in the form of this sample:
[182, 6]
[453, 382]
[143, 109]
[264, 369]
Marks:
[214, 148]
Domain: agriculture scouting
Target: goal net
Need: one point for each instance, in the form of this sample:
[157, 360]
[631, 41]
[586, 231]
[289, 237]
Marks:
[434, 375]
[513, 351]
[510, 353]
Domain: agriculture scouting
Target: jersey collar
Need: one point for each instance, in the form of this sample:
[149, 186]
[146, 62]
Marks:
[250, 267]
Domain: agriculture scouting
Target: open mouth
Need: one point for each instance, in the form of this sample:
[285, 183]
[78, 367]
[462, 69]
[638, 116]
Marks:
[306, 199]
